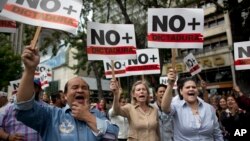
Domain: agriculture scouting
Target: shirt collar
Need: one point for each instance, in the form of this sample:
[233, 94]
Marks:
[137, 105]
[67, 109]
[200, 102]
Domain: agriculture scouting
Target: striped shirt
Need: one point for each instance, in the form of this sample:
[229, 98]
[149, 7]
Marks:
[11, 125]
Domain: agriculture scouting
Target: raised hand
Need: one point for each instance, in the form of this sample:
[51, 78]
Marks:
[203, 84]
[114, 86]
[30, 58]
[171, 76]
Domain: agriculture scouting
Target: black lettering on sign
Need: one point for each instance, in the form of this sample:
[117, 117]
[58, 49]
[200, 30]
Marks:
[127, 38]
[143, 58]
[15, 86]
[242, 51]
[193, 23]
[115, 34]
[163, 81]
[108, 36]
[172, 25]
[42, 69]
[164, 24]
[153, 58]
[190, 62]
[132, 61]
[117, 65]
[46, 5]
[94, 36]
[32, 3]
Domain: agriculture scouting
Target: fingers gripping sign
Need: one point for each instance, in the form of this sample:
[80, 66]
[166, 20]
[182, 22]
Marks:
[171, 76]
[30, 57]
[114, 86]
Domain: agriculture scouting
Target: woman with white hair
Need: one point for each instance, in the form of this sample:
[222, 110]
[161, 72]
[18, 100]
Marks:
[142, 117]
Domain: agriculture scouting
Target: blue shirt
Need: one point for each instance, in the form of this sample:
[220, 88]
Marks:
[165, 124]
[55, 124]
[189, 127]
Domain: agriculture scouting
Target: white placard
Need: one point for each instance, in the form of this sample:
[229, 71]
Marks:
[147, 62]
[14, 85]
[7, 26]
[192, 64]
[44, 79]
[242, 55]
[110, 41]
[164, 80]
[175, 27]
[119, 68]
[56, 14]
[43, 68]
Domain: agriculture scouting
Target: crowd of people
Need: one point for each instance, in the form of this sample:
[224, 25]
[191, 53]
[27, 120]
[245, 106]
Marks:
[69, 114]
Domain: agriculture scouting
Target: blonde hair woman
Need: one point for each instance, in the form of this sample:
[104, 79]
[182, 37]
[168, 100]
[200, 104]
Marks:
[142, 118]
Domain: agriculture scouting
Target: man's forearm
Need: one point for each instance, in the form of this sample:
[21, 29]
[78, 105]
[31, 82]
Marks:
[26, 87]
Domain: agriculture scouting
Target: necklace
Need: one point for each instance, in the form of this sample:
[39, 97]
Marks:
[195, 111]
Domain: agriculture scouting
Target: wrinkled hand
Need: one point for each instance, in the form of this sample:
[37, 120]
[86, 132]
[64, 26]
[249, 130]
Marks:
[171, 76]
[80, 111]
[30, 57]
[16, 137]
[114, 86]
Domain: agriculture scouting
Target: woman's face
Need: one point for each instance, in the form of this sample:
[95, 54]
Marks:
[189, 91]
[102, 104]
[231, 102]
[223, 103]
[140, 93]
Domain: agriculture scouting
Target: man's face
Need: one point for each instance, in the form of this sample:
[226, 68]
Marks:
[159, 94]
[78, 90]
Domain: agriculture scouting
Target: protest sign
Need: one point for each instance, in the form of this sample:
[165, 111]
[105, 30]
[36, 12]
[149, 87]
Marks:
[110, 41]
[175, 28]
[242, 55]
[147, 62]
[56, 14]
[192, 64]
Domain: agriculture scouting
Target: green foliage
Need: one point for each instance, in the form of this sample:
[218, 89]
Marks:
[10, 63]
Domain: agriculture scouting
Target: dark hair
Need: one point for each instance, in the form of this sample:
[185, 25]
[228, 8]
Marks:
[55, 96]
[121, 98]
[67, 83]
[181, 82]
[160, 85]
